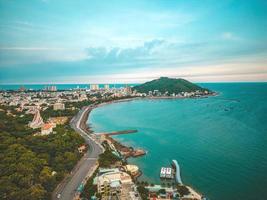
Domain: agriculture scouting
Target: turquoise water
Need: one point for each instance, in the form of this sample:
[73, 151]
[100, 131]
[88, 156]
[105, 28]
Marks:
[220, 142]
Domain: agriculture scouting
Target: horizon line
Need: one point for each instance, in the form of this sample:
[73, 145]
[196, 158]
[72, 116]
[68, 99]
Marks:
[60, 83]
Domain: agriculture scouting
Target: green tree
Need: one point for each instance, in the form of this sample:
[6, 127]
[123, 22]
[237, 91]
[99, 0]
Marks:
[143, 192]
[37, 192]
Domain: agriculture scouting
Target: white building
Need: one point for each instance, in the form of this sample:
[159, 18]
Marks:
[110, 182]
[163, 172]
[94, 87]
[106, 86]
[51, 88]
[83, 97]
[169, 173]
[166, 172]
[59, 106]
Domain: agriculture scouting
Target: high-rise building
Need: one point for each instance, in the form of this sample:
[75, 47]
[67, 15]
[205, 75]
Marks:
[94, 87]
[106, 86]
[51, 88]
[128, 90]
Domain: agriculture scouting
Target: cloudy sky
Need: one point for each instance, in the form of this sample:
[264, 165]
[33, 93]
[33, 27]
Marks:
[131, 41]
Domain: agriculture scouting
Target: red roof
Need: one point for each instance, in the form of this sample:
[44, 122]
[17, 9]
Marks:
[47, 126]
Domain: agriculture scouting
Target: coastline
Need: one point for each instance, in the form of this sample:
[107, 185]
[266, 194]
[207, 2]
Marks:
[125, 151]
[149, 98]
[85, 118]
[117, 145]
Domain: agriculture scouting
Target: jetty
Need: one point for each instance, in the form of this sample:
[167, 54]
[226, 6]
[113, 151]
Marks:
[178, 172]
[125, 151]
[118, 132]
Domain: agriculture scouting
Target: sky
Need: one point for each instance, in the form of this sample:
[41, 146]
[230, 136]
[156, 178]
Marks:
[132, 41]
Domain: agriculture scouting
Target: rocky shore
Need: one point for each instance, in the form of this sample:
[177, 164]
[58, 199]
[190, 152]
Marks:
[125, 151]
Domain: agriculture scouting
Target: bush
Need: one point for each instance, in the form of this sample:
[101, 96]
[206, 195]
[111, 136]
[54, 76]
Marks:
[107, 158]
[183, 190]
[143, 192]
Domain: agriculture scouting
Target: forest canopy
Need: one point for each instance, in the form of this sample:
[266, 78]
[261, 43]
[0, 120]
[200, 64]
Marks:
[32, 166]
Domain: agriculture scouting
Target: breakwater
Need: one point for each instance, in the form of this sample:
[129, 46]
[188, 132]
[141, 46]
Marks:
[118, 132]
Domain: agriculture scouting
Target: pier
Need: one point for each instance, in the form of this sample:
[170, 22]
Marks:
[118, 132]
[178, 173]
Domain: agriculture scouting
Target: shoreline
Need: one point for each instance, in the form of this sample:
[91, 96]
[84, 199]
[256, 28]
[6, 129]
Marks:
[85, 118]
[126, 151]
[119, 147]
[150, 98]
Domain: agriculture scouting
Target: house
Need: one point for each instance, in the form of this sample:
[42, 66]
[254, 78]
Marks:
[59, 106]
[47, 129]
[132, 169]
[82, 148]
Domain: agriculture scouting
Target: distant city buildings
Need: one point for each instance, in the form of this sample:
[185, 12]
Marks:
[106, 86]
[22, 89]
[51, 88]
[127, 90]
[94, 87]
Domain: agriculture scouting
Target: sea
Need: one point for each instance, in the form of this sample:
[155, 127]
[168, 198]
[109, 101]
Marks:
[220, 142]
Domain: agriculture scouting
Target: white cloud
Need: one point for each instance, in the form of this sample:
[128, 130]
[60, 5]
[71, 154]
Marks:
[229, 36]
[32, 55]
[32, 49]
[251, 70]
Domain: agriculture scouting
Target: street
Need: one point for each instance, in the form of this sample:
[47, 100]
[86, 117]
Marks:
[67, 188]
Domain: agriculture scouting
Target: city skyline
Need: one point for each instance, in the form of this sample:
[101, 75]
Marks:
[53, 42]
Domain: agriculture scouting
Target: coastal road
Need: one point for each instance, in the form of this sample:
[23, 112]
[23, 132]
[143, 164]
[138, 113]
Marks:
[68, 187]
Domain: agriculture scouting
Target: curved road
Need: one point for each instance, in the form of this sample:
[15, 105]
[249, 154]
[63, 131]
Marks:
[68, 187]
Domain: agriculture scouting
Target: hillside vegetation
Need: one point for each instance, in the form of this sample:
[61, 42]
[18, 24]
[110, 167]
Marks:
[170, 85]
[32, 166]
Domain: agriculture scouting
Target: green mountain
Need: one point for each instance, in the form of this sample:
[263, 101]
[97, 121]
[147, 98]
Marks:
[170, 85]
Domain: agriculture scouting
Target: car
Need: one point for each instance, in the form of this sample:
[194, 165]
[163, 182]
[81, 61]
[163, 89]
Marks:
[58, 196]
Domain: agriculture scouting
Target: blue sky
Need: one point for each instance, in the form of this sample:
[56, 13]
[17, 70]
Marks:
[83, 41]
